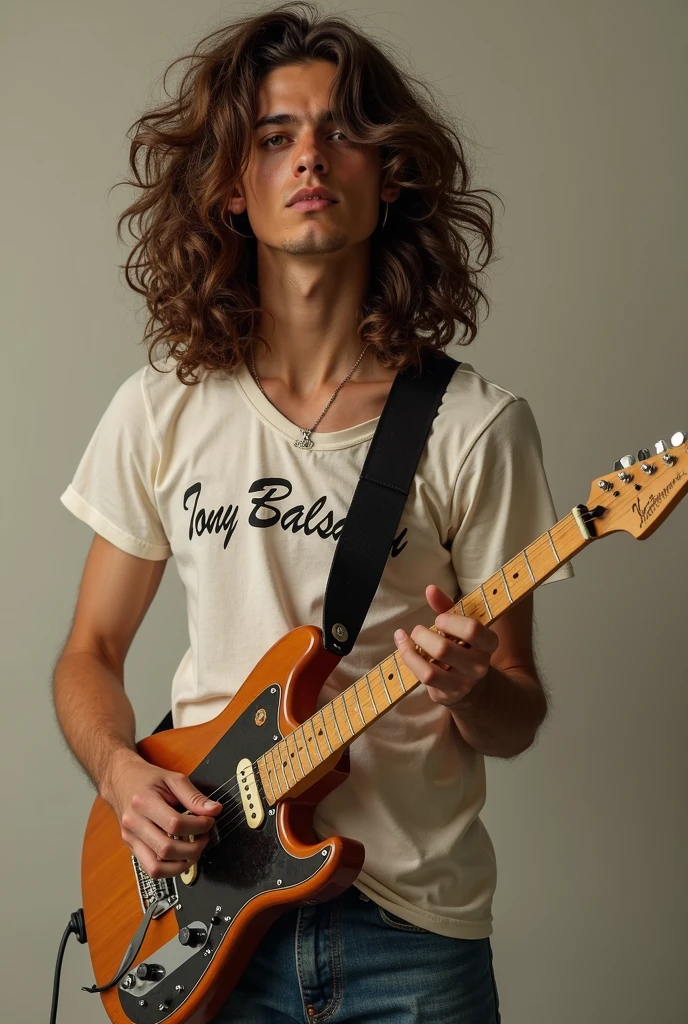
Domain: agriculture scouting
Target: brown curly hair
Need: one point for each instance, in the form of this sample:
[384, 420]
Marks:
[187, 155]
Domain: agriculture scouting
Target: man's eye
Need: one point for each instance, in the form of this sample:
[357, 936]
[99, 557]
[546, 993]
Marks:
[271, 137]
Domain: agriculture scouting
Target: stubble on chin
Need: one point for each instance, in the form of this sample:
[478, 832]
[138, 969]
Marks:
[312, 246]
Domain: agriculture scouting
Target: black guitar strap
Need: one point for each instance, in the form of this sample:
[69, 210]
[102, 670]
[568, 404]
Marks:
[366, 539]
[365, 542]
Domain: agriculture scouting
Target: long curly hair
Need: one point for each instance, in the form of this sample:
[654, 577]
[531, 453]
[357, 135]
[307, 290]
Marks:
[187, 155]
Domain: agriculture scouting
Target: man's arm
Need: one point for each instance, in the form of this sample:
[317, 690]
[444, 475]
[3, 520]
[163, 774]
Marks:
[93, 710]
[97, 718]
[500, 716]
[499, 702]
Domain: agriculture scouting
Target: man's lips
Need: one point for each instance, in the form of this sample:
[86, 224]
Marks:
[312, 204]
[308, 194]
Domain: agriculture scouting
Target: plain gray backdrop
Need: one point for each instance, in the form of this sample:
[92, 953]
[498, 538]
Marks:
[576, 115]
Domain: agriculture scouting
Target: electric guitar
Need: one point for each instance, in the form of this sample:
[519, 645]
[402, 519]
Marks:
[173, 949]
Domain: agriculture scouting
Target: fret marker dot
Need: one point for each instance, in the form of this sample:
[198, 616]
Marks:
[515, 576]
[494, 591]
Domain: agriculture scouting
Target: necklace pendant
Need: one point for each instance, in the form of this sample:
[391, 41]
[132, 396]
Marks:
[305, 440]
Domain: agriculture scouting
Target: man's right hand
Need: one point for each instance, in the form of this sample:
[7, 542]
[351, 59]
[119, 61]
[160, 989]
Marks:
[145, 800]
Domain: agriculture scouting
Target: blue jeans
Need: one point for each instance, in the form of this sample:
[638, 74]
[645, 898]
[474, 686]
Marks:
[349, 960]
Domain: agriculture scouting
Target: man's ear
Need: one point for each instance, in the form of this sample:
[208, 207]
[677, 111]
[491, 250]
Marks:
[389, 193]
[237, 204]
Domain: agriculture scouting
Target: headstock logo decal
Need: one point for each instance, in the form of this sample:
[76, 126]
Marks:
[655, 501]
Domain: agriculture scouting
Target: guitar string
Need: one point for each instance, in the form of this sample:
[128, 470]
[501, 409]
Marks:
[239, 814]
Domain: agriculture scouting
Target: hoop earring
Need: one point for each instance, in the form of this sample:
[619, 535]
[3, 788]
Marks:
[232, 228]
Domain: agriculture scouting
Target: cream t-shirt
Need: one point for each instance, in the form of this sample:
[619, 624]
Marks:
[209, 473]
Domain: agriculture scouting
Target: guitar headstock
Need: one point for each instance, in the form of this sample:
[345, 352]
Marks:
[641, 492]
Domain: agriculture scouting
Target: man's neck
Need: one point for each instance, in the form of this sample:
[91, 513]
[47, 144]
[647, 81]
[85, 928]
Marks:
[311, 308]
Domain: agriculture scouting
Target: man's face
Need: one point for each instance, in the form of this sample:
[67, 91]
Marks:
[305, 152]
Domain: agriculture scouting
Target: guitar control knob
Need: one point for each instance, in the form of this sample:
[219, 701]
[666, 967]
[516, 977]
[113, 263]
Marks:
[192, 936]
[150, 972]
[128, 981]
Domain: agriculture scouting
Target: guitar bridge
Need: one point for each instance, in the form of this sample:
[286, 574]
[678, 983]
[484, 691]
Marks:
[155, 890]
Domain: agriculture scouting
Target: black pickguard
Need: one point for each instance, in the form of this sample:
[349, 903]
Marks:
[238, 864]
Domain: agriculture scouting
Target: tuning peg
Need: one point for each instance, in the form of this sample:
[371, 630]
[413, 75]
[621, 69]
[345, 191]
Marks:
[624, 462]
[661, 446]
[677, 439]
[644, 453]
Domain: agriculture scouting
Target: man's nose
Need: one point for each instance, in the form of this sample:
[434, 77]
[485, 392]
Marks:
[308, 154]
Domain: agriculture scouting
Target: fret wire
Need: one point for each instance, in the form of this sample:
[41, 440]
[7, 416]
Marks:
[305, 747]
[482, 591]
[336, 723]
[288, 760]
[280, 768]
[266, 777]
[270, 752]
[372, 699]
[358, 703]
[556, 554]
[285, 741]
[532, 576]
[296, 753]
[284, 774]
[346, 712]
[382, 677]
[401, 678]
[327, 738]
[506, 587]
[315, 739]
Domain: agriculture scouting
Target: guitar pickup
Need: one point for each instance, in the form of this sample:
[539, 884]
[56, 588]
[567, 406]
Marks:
[250, 797]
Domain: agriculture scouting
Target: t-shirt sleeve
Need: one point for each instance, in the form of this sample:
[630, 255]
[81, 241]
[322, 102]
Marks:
[502, 500]
[113, 488]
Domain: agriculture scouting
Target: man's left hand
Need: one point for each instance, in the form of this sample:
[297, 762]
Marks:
[461, 649]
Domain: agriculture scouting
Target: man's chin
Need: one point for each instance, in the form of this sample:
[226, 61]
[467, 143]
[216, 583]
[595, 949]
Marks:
[315, 243]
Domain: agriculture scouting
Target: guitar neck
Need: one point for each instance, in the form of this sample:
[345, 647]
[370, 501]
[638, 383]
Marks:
[289, 765]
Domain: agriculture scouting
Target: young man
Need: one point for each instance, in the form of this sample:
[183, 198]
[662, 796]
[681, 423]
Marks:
[246, 477]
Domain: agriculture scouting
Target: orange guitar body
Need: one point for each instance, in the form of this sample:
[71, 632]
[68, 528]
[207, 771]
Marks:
[251, 875]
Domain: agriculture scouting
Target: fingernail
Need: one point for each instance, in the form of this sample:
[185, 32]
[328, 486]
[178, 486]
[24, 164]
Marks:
[399, 635]
[210, 803]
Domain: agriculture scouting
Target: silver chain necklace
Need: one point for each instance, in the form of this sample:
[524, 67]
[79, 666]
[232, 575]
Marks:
[305, 440]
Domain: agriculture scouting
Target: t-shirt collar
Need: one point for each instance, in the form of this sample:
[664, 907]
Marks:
[269, 413]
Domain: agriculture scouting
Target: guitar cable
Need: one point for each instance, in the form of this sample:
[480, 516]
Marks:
[76, 926]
